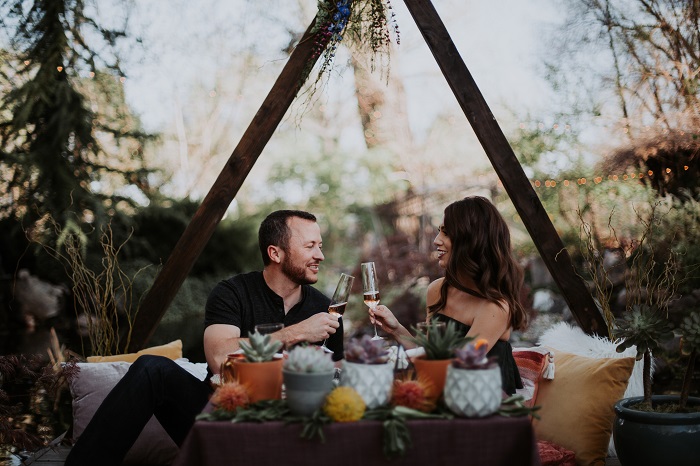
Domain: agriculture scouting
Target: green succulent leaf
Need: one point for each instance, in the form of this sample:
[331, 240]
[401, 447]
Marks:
[260, 348]
[690, 331]
[644, 327]
[438, 343]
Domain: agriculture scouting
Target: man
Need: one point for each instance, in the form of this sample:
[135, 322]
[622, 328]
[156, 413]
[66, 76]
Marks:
[290, 244]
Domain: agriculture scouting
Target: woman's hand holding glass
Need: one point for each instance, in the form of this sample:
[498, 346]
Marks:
[382, 316]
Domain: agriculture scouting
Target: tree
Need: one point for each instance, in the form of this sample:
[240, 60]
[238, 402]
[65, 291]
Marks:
[67, 138]
[646, 52]
[637, 64]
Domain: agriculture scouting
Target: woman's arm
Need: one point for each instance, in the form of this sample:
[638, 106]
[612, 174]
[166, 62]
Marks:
[491, 323]
[383, 317]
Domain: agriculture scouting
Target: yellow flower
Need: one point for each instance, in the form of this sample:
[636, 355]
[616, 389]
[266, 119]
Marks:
[344, 404]
[230, 396]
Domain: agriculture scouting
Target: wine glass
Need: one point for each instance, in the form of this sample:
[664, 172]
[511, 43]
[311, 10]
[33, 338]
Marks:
[339, 300]
[370, 290]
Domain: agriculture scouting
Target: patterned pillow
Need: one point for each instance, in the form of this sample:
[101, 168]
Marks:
[533, 364]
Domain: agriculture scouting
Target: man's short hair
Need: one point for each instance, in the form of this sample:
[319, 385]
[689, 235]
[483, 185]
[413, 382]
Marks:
[274, 230]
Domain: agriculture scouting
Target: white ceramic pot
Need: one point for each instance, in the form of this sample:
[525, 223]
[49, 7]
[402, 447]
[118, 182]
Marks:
[473, 392]
[373, 382]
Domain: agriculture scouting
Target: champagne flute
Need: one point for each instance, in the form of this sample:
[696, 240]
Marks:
[370, 290]
[340, 299]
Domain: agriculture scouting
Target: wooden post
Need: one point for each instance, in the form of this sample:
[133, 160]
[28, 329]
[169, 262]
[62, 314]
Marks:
[507, 167]
[225, 188]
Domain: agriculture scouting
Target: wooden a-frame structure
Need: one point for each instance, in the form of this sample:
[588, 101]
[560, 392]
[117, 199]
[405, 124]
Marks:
[270, 114]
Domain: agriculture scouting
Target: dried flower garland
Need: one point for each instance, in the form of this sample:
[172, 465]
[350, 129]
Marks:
[361, 24]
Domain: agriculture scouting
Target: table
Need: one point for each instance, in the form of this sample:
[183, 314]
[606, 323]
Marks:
[492, 441]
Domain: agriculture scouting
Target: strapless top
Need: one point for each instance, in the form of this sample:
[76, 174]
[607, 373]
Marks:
[502, 350]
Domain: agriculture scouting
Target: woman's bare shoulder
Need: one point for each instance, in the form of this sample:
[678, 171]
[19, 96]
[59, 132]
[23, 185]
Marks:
[433, 293]
[436, 284]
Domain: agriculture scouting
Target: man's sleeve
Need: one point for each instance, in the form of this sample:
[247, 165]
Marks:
[223, 306]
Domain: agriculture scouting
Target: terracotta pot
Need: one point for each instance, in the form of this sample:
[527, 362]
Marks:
[434, 372]
[262, 379]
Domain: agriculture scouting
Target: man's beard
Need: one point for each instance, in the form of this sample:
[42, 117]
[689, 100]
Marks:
[295, 274]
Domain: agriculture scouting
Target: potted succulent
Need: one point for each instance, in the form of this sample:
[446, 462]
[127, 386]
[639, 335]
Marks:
[308, 375]
[259, 370]
[367, 369]
[473, 382]
[649, 429]
[439, 345]
[658, 429]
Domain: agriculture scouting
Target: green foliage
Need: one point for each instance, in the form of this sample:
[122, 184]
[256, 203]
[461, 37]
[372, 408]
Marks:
[187, 307]
[690, 331]
[260, 348]
[438, 343]
[59, 152]
[364, 25]
[308, 359]
[645, 327]
[157, 229]
[514, 406]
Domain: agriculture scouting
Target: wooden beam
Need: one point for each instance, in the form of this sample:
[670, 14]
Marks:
[225, 188]
[507, 167]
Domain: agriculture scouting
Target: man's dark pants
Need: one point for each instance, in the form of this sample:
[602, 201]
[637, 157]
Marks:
[153, 385]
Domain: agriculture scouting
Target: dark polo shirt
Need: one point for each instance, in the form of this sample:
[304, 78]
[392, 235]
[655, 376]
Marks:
[246, 301]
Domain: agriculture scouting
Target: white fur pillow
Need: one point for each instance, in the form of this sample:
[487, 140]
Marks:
[564, 337]
[90, 387]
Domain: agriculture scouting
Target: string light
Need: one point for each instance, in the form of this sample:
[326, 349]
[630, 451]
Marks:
[550, 183]
[59, 68]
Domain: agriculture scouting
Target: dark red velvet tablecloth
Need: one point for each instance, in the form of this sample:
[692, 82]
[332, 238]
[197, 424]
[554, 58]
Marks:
[493, 441]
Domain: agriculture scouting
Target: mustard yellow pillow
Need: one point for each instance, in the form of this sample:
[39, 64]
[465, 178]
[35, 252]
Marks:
[172, 350]
[577, 405]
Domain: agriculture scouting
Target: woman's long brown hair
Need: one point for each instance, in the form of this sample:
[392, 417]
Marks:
[481, 250]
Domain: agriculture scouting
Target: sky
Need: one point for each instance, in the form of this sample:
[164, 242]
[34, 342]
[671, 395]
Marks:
[499, 42]
[189, 47]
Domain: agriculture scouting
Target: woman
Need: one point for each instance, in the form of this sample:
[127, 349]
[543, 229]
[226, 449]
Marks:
[481, 288]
